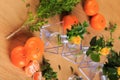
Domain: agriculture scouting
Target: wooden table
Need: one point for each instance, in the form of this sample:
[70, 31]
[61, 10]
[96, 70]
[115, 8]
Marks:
[13, 13]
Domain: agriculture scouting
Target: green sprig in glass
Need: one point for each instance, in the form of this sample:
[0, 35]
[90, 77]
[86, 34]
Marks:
[77, 31]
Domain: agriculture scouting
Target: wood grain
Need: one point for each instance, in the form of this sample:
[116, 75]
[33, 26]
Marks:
[13, 13]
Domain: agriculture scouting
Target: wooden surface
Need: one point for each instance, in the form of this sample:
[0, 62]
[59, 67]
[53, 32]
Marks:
[13, 13]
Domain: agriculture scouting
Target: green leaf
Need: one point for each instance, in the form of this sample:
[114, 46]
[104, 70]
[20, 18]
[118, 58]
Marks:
[109, 44]
[112, 73]
[95, 57]
[100, 42]
[85, 24]
[112, 27]
[93, 41]
[47, 71]
[89, 51]
[110, 67]
[119, 37]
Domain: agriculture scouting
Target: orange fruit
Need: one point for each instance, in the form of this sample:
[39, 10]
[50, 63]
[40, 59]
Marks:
[31, 68]
[18, 57]
[91, 7]
[68, 21]
[34, 48]
[98, 22]
[37, 76]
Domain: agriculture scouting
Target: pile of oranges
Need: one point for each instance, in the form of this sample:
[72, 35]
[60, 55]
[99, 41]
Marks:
[97, 20]
[29, 56]
[91, 8]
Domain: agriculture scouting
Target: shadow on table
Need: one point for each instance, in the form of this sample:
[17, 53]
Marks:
[18, 39]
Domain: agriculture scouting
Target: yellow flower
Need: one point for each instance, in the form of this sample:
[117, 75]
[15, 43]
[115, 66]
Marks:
[105, 51]
[118, 70]
[76, 39]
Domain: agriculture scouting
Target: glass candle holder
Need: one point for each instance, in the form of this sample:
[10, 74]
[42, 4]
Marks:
[50, 36]
[71, 52]
[88, 67]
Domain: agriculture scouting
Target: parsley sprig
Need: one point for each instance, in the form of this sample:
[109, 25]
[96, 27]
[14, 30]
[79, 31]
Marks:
[47, 71]
[77, 30]
[47, 9]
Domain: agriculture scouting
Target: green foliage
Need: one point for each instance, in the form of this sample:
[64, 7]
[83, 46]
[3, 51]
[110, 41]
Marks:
[112, 27]
[119, 37]
[47, 9]
[77, 30]
[23, 0]
[36, 26]
[110, 67]
[34, 23]
[95, 57]
[96, 44]
[47, 71]
[114, 58]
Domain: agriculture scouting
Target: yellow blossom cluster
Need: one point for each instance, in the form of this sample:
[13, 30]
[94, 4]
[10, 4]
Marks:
[105, 51]
[118, 70]
[76, 40]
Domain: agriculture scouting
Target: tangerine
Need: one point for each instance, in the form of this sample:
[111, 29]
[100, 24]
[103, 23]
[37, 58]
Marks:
[91, 7]
[98, 22]
[68, 21]
[34, 48]
[18, 57]
[37, 76]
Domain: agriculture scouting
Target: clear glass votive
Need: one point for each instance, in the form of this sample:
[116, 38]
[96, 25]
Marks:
[50, 35]
[88, 67]
[71, 52]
